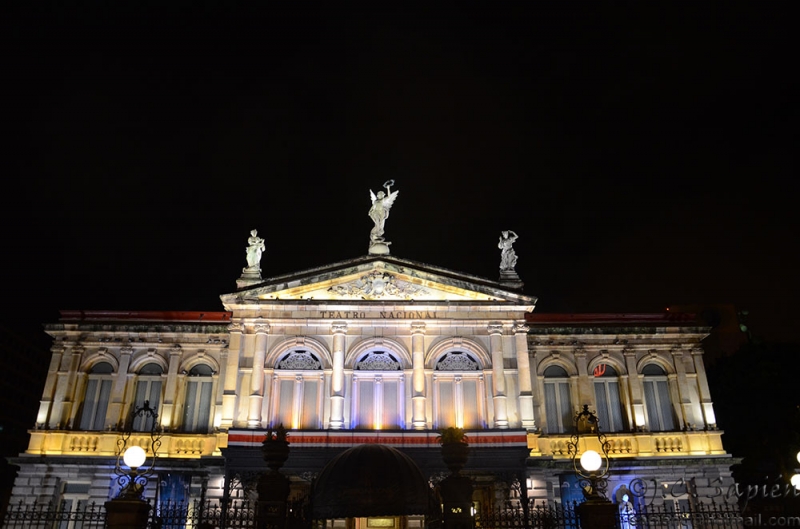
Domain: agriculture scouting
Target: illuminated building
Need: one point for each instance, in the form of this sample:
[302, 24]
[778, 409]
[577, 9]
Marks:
[376, 349]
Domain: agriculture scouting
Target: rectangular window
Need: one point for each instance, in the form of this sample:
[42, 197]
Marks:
[95, 404]
[609, 407]
[558, 407]
[378, 402]
[659, 408]
[197, 408]
[147, 389]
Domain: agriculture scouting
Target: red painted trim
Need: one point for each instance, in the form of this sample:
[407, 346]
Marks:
[340, 439]
[610, 318]
[144, 315]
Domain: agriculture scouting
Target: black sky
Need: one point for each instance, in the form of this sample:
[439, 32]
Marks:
[645, 156]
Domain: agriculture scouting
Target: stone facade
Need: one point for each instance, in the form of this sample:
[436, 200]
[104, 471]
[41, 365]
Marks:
[375, 349]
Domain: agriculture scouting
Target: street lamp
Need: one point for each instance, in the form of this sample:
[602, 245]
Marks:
[796, 478]
[134, 477]
[591, 466]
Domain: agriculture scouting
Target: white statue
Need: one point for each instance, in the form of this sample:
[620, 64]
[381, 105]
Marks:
[256, 246]
[508, 258]
[379, 212]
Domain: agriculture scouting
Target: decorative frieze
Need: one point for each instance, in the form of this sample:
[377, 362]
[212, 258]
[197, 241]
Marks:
[299, 361]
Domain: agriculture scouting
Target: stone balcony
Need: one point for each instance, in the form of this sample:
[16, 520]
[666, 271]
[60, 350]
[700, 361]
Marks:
[634, 444]
[174, 445]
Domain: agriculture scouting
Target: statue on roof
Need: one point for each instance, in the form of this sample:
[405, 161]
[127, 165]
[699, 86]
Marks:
[254, 249]
[508, 258]
[379, 212]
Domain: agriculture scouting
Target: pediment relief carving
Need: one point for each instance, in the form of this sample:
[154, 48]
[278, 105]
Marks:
[377, 285]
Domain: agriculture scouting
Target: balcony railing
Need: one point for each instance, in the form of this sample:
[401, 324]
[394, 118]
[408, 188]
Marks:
[176, 445]
[636, 444]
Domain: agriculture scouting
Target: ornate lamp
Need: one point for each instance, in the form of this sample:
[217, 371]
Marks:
[590, 465]
[130, 467]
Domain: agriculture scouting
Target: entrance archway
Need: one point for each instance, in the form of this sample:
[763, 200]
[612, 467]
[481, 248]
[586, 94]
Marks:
[370, 480]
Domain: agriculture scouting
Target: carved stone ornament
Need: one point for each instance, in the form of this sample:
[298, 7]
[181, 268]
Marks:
[521, 328]
[261, 328]
[235, 327]
[339, 327]
[418, 327]
[378, 361]
[495, 328]
[299, 361]
[377, 285]
[456, 361]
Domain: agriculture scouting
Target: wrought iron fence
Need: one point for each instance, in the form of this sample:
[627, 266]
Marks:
[240, 514]
[665, 516]
[55, 516]
[538, 516]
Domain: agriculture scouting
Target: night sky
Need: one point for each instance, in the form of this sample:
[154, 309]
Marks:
[646, 157]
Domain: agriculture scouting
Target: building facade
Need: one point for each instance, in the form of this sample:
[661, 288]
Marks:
[376, 349]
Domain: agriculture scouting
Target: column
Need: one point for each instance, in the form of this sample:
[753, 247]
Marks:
[702, 386]
[48, 394]
[257, 376]
[339, 330]
[418, 399]
[636, 390]
[524, 374]
[171, 388]
[498, 375]
[585, 388]
[686, 416]
[115, 412]
[230, 378]
[72, 389]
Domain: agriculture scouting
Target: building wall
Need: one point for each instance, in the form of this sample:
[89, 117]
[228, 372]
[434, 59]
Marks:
[309, 376]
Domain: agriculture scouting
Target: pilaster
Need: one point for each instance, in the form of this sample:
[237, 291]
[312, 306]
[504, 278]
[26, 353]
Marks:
[339, 330]
[257, 376]
[230, 375]
[495, 330]
[524, 375]
[418, 397]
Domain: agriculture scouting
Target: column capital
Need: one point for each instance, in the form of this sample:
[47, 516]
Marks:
[126, 350]
[417, 327]
[676, 351]
[628, 352]
[176, 349]
[495, 328]
[261, 328]
[339, 327]
[236, 327]
[698, 351]
[521, 328]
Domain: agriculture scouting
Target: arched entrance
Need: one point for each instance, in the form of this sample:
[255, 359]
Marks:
[371, 481]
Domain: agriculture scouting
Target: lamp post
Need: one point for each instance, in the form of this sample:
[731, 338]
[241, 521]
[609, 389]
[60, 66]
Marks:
[597, 512]
[129, 510]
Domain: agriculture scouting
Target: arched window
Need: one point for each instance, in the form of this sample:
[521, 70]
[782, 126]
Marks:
[656, 398]
[378, 397]
[297, 390]
[148, 388]
[458, 391]
[557, 401]
[609, 405]
[95, 400]
[197, 406]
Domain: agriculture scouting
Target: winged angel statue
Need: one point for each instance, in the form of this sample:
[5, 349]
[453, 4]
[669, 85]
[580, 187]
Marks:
[379, 212]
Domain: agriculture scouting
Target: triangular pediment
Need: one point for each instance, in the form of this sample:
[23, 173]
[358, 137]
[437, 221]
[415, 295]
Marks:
[383, 278]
